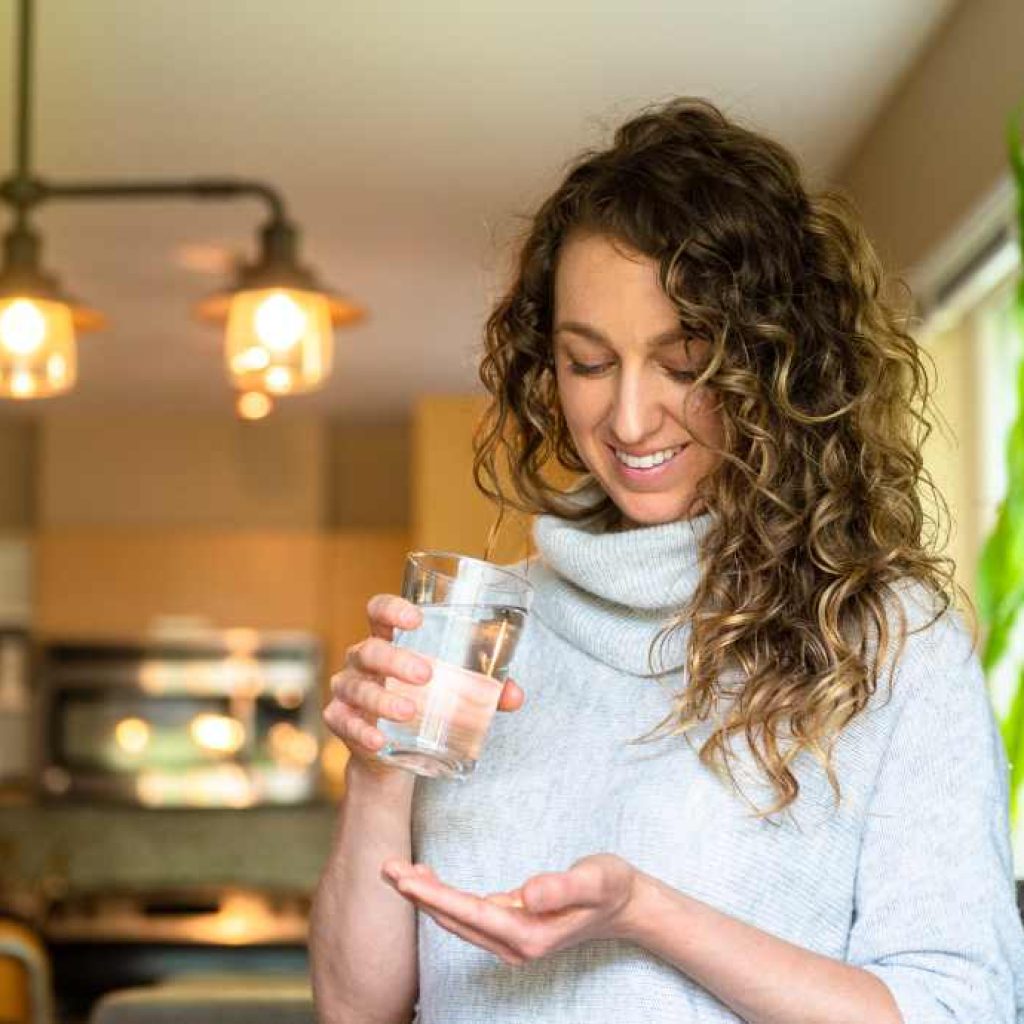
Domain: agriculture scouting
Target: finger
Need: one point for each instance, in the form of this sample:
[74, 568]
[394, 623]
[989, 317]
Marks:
[351, 728]
[388, 612]
[366, 694]
[506, 899]
[512, 697]
[394, 869]
[498, 922]
[377, 657]
[553, 891]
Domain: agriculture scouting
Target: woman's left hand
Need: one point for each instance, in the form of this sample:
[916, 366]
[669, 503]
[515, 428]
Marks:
[548, 912]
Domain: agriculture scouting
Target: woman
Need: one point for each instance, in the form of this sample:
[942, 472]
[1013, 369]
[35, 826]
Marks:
[757, 777]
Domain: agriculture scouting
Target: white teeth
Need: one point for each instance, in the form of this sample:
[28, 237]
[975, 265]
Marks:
[648, 461]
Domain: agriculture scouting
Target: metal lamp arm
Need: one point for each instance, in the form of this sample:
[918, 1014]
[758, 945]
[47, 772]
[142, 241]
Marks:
[24, 193]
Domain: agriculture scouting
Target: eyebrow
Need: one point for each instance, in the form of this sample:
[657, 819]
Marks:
[669, 337]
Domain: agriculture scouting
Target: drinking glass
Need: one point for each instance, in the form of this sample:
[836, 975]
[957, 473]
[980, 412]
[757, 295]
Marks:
[473, 615]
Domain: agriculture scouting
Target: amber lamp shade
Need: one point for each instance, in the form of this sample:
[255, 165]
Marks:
[37, 348]
[279, 341]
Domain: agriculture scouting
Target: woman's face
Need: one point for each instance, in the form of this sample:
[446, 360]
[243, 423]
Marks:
[624, 372]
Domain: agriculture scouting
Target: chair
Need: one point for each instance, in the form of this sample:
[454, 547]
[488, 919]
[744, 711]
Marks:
[25, 967]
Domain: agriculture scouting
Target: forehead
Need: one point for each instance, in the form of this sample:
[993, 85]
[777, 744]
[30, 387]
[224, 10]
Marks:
[610, 295]
[588, 262]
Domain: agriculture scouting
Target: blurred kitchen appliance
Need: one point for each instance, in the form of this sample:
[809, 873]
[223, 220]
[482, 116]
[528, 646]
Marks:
[215, 718]
[108, 940]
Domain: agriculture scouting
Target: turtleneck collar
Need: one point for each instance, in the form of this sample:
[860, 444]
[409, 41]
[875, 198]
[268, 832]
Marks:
[610, 593]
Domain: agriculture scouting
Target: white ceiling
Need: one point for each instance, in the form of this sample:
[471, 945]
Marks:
[409, 139]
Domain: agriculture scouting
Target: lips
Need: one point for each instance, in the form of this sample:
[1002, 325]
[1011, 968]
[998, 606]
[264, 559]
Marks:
[652, 476]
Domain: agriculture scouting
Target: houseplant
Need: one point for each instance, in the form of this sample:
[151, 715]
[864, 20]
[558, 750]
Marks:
[1001, 567]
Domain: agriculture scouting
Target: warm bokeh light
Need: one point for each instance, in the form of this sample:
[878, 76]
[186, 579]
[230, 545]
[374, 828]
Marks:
[22, 327]
[279, 322]
[291, 746]
[254, 405]
[133, 735]
[252, 360]
[243, 676]
[333, 759]
[37, 348]
[289, 697]
[279, 340]
[278, 380]
[227, 786]
[217, 733]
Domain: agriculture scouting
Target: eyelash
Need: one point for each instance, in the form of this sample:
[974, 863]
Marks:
[585, 370]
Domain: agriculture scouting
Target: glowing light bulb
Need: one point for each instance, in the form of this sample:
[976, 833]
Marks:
[56, 370]
[278, 379]
[22, 384]
[279, 322]
[22, 327]
[252, 359]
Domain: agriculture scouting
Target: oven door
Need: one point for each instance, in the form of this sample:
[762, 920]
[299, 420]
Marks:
[191, 725]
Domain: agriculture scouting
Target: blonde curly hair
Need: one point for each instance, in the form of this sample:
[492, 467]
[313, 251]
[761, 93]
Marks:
[817, 504]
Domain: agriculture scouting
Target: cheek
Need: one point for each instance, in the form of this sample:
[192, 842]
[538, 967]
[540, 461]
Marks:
[578, 407]
[702, 415]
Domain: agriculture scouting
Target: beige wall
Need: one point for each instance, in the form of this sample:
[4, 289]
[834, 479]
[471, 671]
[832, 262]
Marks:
[368, 476]
[204, 472]
[182, 472]
[18, 441]
[948, 452]
[939, 146]
[448, 512]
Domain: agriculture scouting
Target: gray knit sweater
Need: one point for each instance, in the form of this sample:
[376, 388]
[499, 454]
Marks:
[911, 878]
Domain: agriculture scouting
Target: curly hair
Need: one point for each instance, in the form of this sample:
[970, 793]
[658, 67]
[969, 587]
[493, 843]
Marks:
[818, 517]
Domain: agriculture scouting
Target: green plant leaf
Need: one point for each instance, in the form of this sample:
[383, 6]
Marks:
[1000, 574]
[1012, 729]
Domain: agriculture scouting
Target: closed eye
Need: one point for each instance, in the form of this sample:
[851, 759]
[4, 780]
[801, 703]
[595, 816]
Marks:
[593, 369]
[587, 369]
[686, 376]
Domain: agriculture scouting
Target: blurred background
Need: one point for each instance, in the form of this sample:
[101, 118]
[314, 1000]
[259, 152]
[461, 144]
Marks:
[181, 568]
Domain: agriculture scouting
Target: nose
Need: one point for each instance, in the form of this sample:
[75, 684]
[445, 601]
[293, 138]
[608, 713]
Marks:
[635, 412]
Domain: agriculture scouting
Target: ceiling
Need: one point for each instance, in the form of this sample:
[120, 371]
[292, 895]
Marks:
[409, 139]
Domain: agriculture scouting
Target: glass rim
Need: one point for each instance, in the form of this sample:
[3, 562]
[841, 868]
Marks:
[518, 577]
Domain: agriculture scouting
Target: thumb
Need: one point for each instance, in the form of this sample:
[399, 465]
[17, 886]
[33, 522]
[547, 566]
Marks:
[512, 697]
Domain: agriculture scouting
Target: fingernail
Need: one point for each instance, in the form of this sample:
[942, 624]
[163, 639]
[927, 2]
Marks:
[409, 617]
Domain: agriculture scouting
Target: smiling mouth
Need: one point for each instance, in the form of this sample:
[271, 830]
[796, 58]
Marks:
[677, 450]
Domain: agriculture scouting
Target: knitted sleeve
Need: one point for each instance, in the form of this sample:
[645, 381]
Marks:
[935, 917]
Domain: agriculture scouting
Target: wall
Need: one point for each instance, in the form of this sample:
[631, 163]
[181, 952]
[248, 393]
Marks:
[368, 482]
[175, 471]
[938, 147]
[288, 523]
[18, 458]
[448, 512]
[145, 517]
[947, 452]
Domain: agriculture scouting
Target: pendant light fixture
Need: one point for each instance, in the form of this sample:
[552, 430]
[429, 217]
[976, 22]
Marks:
[279, 319]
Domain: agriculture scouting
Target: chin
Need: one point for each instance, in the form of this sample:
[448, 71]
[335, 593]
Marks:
[651, 509]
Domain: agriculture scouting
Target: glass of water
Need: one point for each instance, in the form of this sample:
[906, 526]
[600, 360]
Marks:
[473, 615]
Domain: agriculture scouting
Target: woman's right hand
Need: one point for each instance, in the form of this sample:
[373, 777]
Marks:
[358, 696]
